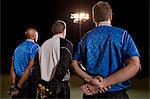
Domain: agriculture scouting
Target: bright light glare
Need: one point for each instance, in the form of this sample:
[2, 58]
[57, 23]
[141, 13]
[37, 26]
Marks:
[79, 17]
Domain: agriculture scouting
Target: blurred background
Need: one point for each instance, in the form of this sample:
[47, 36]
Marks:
[16, 15]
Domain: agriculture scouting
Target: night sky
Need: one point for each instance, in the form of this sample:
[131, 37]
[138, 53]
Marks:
[16, 15]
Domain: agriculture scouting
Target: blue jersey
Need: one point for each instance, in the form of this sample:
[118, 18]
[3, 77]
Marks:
[23, 54]
[103, 51]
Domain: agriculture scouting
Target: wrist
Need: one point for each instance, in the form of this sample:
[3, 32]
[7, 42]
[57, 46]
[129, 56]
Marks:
[13, 85]
[95, 82]
[14, 88]
[88, 79]
[18, 86]
[106, 83]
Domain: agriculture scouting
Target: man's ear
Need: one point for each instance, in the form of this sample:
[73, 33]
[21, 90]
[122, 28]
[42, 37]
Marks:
[36, 36]
[111, 17]
[93, 18]
[63, 34]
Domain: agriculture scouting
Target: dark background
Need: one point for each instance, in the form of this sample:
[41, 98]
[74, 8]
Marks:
[16, 15]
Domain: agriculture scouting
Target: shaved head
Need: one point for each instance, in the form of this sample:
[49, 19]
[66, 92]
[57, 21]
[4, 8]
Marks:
[31, 33]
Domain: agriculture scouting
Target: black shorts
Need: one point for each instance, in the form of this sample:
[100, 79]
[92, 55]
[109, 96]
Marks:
[53, 90]
[108, 95]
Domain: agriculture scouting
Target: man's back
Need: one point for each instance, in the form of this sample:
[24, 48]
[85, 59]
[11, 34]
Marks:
[55, 51]
[23, 53]
[104, 50]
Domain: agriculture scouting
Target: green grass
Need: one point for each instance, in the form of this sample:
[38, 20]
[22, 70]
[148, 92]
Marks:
[5, 85]
[139, 90]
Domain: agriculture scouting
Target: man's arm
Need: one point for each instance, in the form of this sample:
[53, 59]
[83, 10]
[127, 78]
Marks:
[26, 73]
[92, 82]
[126, 73]
[12, 72]
[84, 75]
[80, 72]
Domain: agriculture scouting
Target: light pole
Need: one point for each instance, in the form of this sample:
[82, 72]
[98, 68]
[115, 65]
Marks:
[78, 18]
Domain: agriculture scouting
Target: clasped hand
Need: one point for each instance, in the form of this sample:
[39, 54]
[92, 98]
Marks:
[95, 85]
[14, 90]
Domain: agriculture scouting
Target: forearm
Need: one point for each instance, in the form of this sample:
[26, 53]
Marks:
[13, 75]
[61, 68]
[26, 74]
[122, 75]
[24, 77]
[80, 72]
[60, 72]
[12, 72]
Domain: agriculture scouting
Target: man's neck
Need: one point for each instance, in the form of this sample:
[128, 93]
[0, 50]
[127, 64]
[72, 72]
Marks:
[30, 40]
[107, 23]
[59, 35]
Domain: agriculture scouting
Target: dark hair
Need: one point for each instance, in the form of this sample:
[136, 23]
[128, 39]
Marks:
[58, 27]
[101, 11]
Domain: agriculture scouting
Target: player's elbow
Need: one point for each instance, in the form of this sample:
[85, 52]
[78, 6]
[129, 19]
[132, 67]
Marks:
[134, 62]
[138, 67]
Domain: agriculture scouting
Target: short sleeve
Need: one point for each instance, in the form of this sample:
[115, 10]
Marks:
[33, 51]
[129, 47]
[77, 53]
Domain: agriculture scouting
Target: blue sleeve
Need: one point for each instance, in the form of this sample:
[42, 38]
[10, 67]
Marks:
[77, 53]
[129, 48]
[33, 51]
